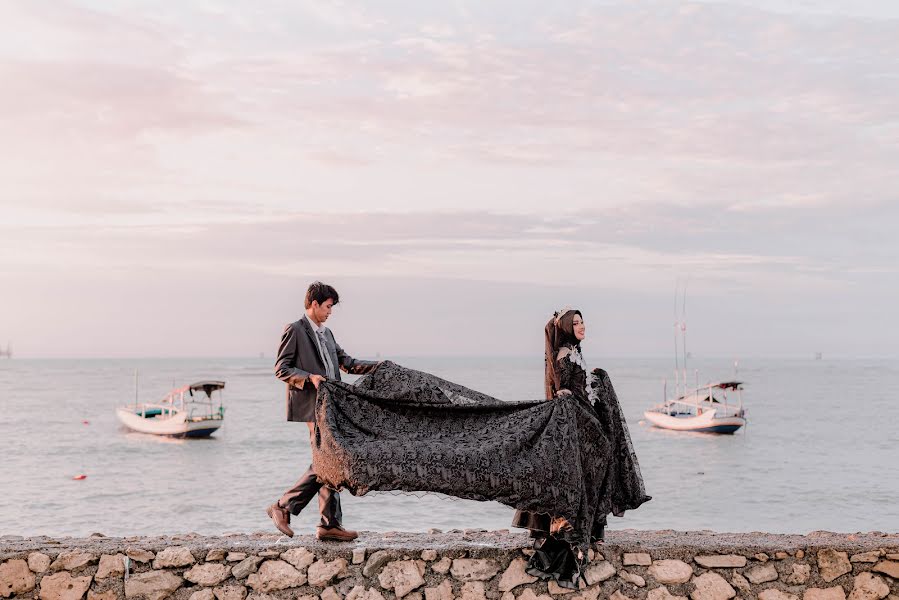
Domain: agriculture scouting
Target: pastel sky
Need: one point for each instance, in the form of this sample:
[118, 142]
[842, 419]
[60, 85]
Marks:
[173, 174]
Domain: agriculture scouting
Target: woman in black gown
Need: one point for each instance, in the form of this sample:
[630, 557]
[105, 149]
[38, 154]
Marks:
[555, 556]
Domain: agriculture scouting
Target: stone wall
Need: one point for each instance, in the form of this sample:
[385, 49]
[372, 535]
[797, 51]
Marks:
[469, 565]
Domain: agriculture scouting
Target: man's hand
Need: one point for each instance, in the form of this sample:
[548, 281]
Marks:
[316, 379]
[560, 393]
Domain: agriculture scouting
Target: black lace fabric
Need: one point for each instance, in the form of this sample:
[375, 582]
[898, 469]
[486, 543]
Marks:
[558, 554]
[401, 429]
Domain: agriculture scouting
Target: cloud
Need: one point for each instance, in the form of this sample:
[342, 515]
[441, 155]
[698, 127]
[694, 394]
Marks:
[630, 249]
[611, 142]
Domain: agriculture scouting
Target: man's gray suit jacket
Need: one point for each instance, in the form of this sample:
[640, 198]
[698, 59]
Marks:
[298, 358]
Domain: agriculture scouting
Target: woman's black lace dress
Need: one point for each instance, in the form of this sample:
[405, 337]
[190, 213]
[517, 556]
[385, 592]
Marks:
[557, 555]
[401, 429]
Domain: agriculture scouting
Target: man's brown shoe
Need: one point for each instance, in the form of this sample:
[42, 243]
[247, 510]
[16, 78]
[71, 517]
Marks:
[281, 517]
[337, 534]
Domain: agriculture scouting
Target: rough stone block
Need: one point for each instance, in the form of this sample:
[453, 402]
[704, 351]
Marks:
[208, 574]
[329, 593]
[832, 593]
[515, 576]
[111, 565]
[38, 562]
[401, 576]
[62, 586]
[139, 555]
[321, 572]
[867, 586]
[761, 574]
[275, 575]
[444, 591]
[671, 571]
[73, 560]
[799, 574]
[246, 566]
[721, 561]
[865, 557]
[590, 593]
[152, 585]
[15, 578]
[557, 590]
[173, 556]
[442, 566]
[741, 583]
[215, 554]
[474, 569]
[833, 564]
[529, 594]
[358, 556]
[887, 567]
[711, 586]
[300, 558]
[631, 578]
[599, 572]
[375, 562]
[641, 559]
[776, 594]
[230, 592]
[203, 594]
[473, 590]
[662, 593]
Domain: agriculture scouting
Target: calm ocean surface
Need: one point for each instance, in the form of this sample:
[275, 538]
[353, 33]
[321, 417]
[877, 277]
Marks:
[821, 450]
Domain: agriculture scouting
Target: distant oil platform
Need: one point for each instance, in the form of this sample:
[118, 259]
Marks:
[6, 353]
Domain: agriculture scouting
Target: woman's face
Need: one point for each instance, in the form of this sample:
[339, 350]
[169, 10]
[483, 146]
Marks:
[580, 330]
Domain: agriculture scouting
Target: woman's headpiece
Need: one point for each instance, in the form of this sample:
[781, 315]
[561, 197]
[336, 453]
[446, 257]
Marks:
[561, 313]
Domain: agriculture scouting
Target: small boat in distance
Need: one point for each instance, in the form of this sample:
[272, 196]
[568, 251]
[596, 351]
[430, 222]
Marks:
[180, 413]
[701, 410]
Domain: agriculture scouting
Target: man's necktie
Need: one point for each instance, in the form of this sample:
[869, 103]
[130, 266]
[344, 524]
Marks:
[326, 356]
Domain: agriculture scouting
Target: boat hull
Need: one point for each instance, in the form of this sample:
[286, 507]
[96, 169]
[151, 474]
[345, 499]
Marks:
[174, 426]
[707, 422]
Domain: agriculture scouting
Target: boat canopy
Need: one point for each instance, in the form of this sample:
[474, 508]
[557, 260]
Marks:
[726, 385]
[206, 386]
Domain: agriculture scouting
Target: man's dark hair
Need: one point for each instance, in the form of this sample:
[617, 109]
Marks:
[320, 292]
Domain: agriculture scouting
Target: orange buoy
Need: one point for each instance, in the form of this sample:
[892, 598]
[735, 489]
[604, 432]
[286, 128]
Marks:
[79, 477]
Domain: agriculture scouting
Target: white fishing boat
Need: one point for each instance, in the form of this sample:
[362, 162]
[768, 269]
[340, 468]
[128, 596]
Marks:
[182, 413]
[705, 409]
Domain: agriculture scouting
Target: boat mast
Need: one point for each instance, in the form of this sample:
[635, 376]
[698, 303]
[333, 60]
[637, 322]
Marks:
[683, 329]
[676, 327]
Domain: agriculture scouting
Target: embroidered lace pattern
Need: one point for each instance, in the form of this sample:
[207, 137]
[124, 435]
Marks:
[405, 430]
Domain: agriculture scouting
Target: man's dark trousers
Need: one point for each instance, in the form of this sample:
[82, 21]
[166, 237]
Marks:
[298, 496]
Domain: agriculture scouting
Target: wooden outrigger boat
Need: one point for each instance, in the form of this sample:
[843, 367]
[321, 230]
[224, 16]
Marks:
[180, 413]
[701, 410]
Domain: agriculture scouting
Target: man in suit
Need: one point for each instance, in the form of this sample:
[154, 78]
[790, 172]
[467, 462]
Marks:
[307, 356]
